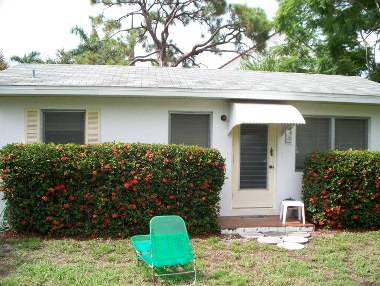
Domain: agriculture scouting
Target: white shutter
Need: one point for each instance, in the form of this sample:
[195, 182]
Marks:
[32, 125]
[92, 126]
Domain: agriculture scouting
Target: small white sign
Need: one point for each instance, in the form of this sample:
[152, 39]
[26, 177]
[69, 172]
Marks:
[288, 136]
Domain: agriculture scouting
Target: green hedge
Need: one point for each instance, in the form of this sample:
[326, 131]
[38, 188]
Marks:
[110, 189]
[341, 189]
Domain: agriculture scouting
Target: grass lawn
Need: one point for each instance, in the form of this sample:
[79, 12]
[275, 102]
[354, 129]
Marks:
[330, 258]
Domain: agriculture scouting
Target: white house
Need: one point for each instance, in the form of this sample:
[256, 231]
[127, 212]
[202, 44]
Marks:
[256, 119]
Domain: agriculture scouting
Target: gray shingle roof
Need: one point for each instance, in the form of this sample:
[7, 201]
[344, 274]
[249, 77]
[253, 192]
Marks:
[79, 76]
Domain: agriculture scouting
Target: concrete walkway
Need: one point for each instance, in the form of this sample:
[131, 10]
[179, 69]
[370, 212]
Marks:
[261, 224]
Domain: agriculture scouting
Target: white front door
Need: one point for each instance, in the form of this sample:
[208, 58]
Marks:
[253, 166]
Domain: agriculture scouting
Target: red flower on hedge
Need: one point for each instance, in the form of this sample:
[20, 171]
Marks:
[66, 206]
[164, 180]
[45, 198]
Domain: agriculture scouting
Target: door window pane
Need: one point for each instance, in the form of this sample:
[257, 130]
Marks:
[253, 156]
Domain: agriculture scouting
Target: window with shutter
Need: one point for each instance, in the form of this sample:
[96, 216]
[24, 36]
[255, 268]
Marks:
[190, 129]
[320, 134]
[62, 126]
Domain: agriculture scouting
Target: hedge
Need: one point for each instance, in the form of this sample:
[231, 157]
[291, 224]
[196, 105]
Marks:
[110, 189]
[341, 189]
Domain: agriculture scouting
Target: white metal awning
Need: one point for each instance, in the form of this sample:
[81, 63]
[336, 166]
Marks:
[255, 113]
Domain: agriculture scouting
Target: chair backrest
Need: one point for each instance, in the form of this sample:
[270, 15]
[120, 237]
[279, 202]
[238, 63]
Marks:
[170, 243]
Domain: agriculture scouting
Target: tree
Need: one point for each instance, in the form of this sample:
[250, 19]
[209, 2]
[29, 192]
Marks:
[334, 36]
[3, 63]
[93, 50]
[273, 61]
[32, 57]
[62, 57]
[226, 28]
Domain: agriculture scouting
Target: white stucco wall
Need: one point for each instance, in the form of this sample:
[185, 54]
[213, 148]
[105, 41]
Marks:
[146, 120]
[288, 181]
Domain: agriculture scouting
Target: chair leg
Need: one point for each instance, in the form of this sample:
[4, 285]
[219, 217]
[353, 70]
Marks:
[284, 214]
[303, 215]
[154, 277]
[195, 272]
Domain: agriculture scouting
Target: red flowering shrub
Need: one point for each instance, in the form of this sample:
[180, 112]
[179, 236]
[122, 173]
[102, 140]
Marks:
[341, 189]
[110, 189]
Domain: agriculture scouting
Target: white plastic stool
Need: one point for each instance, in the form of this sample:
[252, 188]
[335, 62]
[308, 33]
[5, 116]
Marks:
[284, 209]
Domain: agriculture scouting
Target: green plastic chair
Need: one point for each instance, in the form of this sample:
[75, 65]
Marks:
[167, 245]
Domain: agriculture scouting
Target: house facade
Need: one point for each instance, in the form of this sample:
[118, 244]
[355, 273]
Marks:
[263, 123]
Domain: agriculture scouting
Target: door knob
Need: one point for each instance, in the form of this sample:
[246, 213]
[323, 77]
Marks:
[271, 167]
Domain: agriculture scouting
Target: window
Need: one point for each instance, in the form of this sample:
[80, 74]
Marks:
[62, 126]
[320, 134]
[190, 129]
[253, 156]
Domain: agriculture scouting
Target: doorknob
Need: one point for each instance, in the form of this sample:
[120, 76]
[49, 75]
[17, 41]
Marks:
[271, 167]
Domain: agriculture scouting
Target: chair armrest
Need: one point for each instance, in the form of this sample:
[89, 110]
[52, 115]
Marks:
[141, 243]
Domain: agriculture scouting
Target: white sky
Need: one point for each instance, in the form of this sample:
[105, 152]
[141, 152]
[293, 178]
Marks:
[44, 25]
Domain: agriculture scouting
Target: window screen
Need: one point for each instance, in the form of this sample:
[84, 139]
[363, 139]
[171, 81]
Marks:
[190, 129]
[351, 133]
[64, 127]
[310, 137]
[319, 134]
[253, 156]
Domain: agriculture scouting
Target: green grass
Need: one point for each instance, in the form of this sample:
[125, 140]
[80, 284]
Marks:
[331, 258]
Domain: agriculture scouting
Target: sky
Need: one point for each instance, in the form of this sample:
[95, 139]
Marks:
[44, 25]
